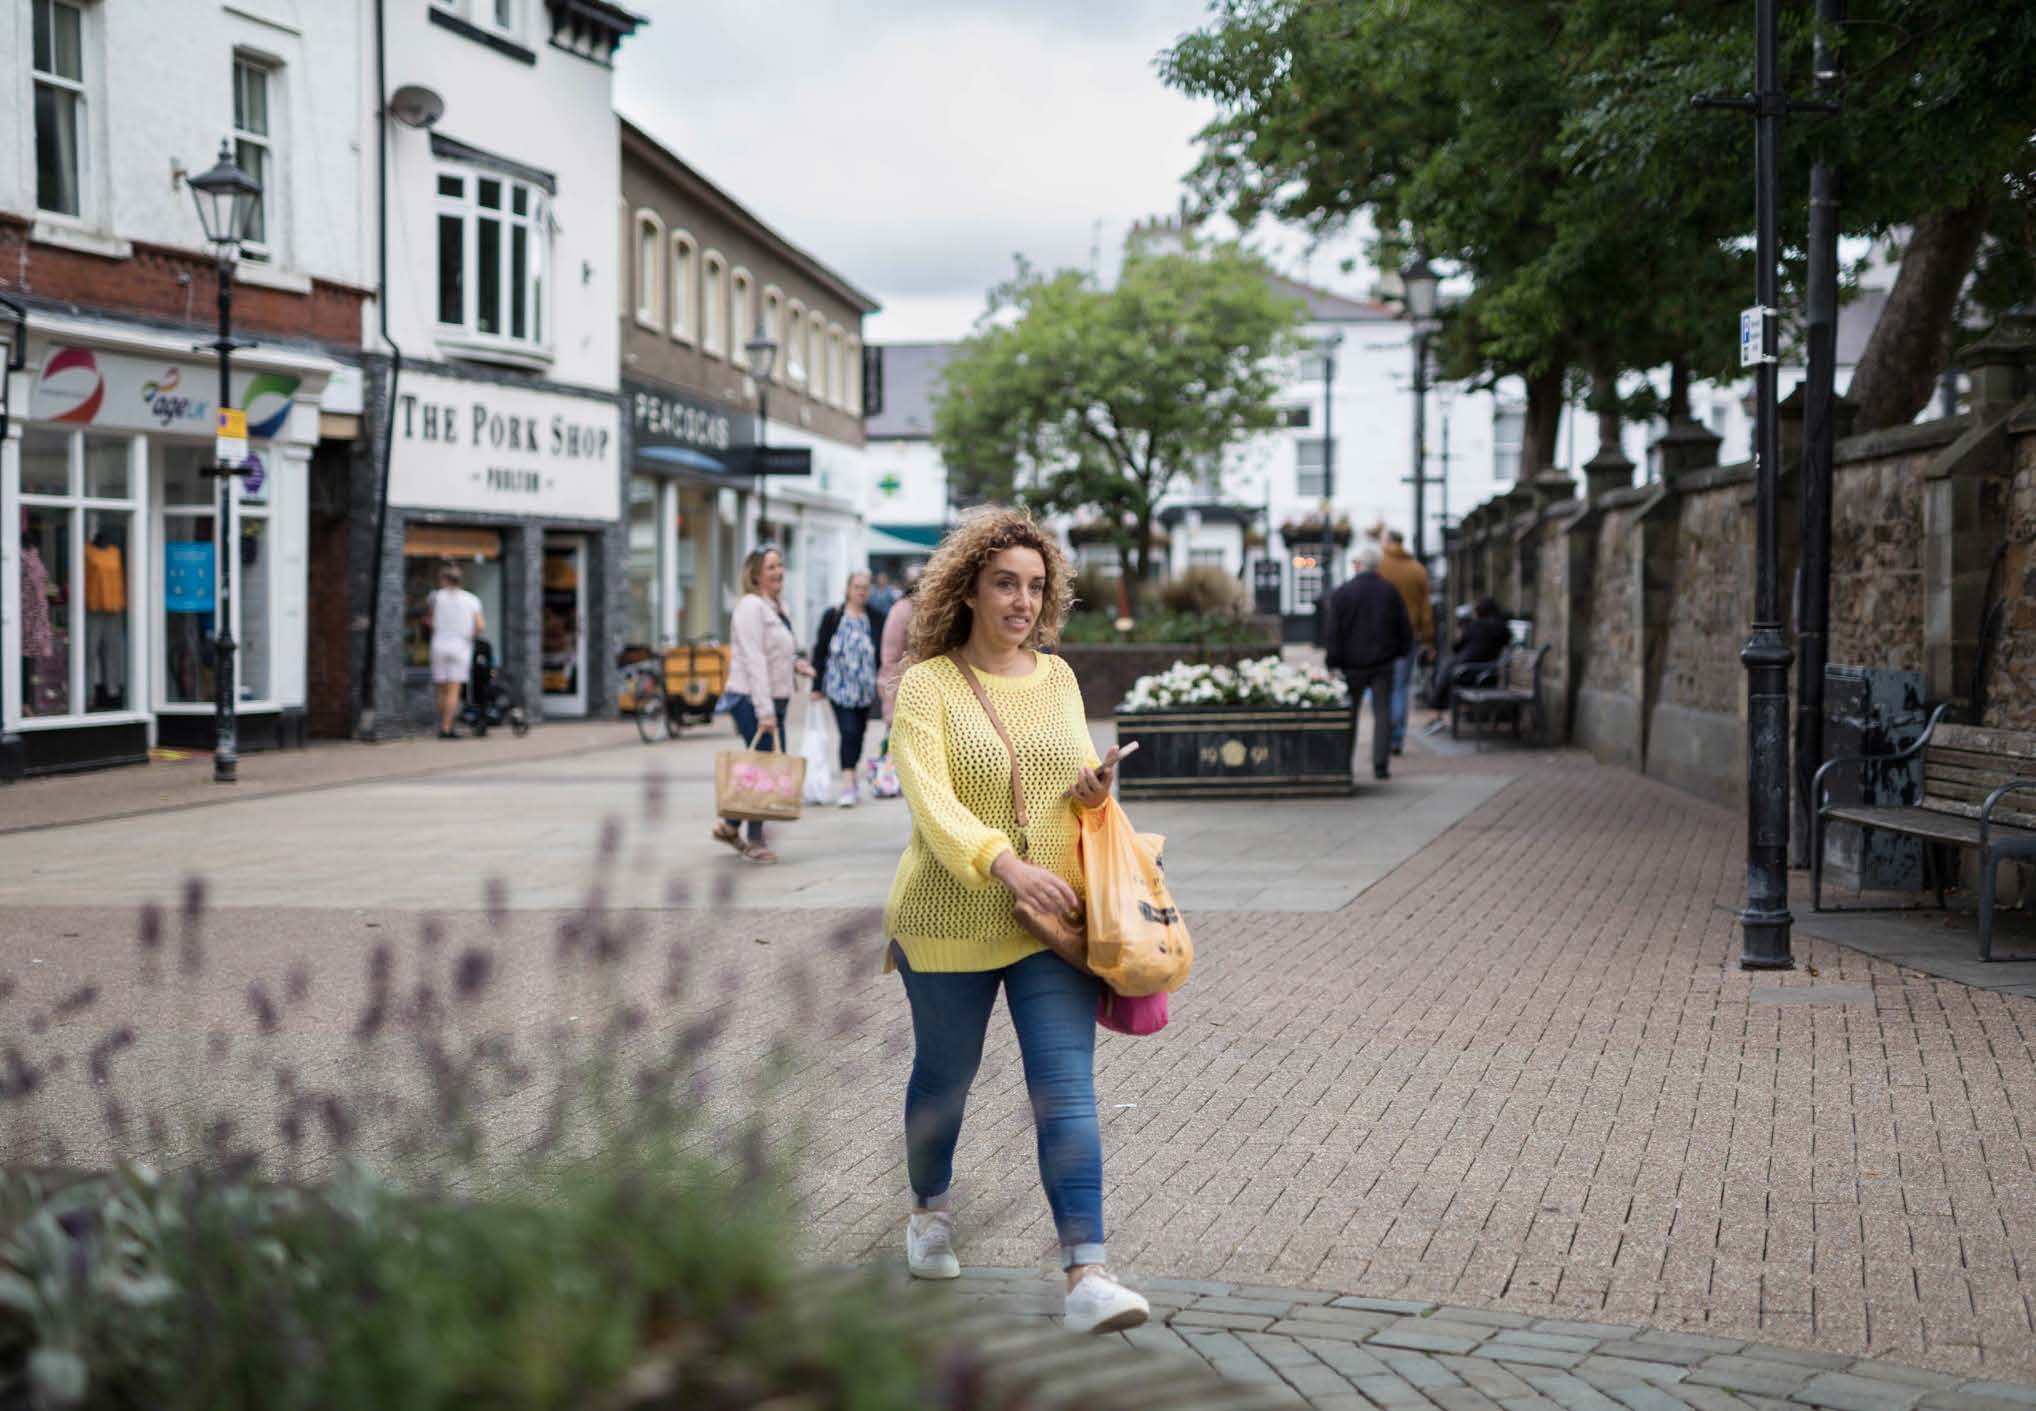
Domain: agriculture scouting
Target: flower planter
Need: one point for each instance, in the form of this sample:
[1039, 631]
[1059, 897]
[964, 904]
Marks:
[1237, 752]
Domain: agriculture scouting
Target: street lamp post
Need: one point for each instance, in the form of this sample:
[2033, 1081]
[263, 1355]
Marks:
[1419, 282]
[227, 199]
[1764, 922]
[762, 352]
[1328, 346]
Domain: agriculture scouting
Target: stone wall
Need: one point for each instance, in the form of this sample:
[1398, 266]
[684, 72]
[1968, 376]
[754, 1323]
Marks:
[1646, 593]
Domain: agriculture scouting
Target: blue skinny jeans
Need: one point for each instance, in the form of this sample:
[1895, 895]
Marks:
[1053, 1009]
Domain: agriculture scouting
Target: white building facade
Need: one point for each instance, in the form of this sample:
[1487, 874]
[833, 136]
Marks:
[110, 590]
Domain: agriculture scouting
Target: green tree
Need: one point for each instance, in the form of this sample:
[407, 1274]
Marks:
[1073, 398]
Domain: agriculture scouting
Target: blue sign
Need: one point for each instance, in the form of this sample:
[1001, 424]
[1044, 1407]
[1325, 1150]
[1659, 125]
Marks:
[188, 577]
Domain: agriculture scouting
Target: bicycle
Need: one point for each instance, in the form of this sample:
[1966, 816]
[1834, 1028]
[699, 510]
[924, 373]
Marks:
[669, 689]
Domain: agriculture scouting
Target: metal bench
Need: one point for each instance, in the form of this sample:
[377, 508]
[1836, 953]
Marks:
[1971, 778]
[1506, 689]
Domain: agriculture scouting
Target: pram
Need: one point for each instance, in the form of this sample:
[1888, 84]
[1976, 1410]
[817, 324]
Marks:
[490, 698]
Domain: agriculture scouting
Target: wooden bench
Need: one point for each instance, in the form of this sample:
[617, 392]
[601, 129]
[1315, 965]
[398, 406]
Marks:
[1979, 792]
[1507, 688]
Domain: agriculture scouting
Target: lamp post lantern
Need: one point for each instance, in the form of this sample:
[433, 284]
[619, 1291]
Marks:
[227, 199]
[1419, 282]
[761, 351]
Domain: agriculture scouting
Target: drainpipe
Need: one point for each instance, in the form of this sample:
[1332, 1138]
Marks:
[382, 137]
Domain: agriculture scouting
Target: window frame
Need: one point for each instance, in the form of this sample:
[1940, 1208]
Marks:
[647, 258]
[1319, 447]
[852, 369]
[816, 355]
[795, 344]
[685, 281]
[265, 249]
[81, 99]
[741, 311]
[837, 367]
[536, 346]
[714, 303]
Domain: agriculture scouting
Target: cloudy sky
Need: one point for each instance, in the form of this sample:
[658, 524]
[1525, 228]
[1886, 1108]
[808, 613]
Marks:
[916, 145]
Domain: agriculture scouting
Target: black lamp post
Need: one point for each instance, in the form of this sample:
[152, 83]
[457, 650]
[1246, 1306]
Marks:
[227, 199]
[762, 352]
[1418, 281]
[1328, 346]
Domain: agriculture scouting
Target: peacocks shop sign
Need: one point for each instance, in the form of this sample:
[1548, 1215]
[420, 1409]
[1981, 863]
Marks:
[677, 432]
[496, 449]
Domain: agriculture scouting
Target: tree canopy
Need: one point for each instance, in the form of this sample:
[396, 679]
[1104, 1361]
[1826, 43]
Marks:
[1551, 153]
[1079, 399]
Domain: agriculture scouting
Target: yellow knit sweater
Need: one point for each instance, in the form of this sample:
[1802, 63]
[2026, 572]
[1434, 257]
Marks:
[946, 911]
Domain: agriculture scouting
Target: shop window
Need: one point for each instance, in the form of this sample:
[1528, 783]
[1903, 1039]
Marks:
[714, 304]
[494, 251]
[75, 574]
[644, 561]
[190, 578]
[251, 574]
[429, 547]
[685, 287]
[254, 149]
[59, 39]
[650, 244]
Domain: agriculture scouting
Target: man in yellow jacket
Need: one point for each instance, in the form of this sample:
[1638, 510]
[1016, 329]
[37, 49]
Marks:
[1404, 571]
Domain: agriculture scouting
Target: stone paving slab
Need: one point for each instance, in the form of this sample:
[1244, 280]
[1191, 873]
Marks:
[1394, 1367]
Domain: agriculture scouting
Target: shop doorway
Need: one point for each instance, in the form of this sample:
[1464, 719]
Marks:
[564, 631]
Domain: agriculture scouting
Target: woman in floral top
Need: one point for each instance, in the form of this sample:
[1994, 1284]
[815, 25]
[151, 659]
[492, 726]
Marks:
[847, 654]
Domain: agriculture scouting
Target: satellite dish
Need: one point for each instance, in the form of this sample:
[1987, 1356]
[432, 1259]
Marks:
[414, 105]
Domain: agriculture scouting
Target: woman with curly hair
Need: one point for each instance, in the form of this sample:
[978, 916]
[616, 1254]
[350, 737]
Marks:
[996, 591]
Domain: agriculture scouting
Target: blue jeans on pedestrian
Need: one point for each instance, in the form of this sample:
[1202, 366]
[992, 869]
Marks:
[1403, 677]
[742, 710]
[1053, 1009]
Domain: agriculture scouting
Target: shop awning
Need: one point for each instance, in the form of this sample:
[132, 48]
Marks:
[683, 459]
[447, 541]
[905, 540]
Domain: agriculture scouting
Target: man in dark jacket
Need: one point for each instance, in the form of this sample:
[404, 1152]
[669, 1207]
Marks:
[1367, 629]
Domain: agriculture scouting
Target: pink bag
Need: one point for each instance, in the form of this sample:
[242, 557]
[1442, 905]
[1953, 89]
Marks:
[1144, 1015]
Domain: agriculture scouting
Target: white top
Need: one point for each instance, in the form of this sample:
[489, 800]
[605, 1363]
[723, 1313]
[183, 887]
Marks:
[455, 617]
[761, 650]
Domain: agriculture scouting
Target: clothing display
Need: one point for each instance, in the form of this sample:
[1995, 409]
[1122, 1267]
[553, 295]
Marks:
[105, 578]
[945, 910]
[37, 636]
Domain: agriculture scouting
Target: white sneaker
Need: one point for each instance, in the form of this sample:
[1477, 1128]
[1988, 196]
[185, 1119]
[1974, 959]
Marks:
[1099, 1304]
[848, 800]
[929, 1246]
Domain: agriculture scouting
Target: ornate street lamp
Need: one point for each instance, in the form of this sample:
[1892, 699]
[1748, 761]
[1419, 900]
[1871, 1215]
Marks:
[1419, 282]
[227, 199]
[761, 351]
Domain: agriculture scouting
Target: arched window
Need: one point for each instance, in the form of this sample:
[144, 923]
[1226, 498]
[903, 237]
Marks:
[837, 369]
[816, 356]
[852, 394]
[774, 326]
[794, 355]
[714, 305]
[685, 287]
[742, 319]
[650, 260]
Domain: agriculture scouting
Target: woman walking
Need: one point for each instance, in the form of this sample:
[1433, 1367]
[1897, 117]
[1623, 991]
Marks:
[762, 660]
[455, 619]
[847, 655]
[996, 591]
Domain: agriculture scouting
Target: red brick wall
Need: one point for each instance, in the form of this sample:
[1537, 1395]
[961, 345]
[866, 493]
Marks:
[146, 283]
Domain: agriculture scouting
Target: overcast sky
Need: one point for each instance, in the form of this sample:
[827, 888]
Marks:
[915, 145]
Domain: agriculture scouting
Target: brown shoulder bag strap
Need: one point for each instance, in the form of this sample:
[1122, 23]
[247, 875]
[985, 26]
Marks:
[1017, 783]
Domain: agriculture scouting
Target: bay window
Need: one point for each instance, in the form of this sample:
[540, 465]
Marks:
[494, 241]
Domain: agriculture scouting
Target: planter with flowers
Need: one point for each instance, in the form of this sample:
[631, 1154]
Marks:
[1259, 729]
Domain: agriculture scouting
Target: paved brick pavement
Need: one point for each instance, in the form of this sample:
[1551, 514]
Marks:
[1518, 1077]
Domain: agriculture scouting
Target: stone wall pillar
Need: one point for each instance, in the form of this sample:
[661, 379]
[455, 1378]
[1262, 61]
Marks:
[1681, 451]
[1966, 509]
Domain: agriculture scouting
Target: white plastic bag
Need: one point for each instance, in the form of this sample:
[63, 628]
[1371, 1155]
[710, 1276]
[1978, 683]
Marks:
[816, 747]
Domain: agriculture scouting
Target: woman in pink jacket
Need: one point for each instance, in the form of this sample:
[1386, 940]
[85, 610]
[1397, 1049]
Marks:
[762, 661]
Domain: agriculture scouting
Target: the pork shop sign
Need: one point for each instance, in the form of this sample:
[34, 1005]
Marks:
[503, 450]
[664, 418]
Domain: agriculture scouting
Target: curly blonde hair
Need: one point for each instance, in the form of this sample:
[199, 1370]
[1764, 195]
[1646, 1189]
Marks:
[941, 617]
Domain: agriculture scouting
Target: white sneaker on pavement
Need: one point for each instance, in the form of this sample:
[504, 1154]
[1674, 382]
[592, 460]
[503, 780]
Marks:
[1099, 1304]
[929, 1246]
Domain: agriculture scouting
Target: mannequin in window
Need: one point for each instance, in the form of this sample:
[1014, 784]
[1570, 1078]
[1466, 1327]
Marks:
[38, 633]
[106, 618]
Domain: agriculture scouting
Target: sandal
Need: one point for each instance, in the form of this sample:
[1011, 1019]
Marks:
[731, 836]
[757, 852]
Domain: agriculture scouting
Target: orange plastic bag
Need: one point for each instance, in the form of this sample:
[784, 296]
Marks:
[1138, 943]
